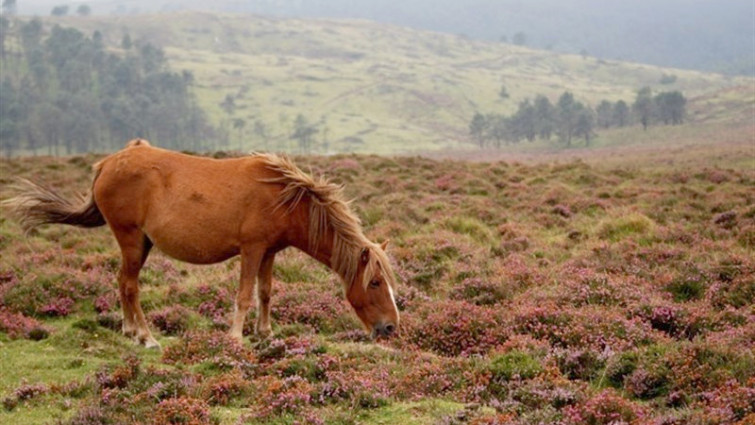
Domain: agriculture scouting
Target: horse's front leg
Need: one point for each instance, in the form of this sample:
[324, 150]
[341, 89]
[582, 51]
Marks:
[250, 264]
[264, 284]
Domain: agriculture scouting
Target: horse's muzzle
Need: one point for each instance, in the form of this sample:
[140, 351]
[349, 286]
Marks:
[383, 330]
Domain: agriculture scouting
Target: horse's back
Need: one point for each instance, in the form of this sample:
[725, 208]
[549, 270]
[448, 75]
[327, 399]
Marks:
[196, 209]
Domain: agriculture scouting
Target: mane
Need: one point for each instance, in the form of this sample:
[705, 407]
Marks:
[328, 211]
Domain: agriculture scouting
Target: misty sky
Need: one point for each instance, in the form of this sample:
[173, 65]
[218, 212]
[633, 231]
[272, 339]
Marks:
[701, 34]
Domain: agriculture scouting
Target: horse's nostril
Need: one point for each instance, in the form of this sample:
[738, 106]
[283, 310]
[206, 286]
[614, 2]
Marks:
[389, 329]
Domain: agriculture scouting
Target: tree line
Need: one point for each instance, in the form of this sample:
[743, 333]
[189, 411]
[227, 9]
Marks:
[66, 93]
[569, 119]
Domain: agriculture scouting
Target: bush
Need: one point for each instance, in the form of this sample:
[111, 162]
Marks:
[16, 325]
[455, 328]
[172, 320]
[214, 346]
[182, 411]
[605, 408]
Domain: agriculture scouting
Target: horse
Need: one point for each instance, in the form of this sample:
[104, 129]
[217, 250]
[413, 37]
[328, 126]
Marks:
[202, 210]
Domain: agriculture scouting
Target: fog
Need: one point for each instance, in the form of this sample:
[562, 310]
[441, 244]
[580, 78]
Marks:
[711, 35]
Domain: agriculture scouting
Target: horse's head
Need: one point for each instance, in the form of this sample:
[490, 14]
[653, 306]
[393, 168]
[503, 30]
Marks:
[371, 293]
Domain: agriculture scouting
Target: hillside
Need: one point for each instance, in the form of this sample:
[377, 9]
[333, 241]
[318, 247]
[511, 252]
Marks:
[566, 292]
[691, 34]
[378, 88]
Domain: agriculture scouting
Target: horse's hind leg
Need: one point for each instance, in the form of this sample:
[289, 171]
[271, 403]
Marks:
[135, 247]
[264, 284]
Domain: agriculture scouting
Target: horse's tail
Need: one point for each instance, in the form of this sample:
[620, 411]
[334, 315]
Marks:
[35, 205]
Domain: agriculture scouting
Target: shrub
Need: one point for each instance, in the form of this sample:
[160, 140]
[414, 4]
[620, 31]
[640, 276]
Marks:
[453, 328]
[182, 411]
[321, 310]
[214, 346]
[606, 407]
[219, 390]
[647, 383]
[578, 363]
[172, 320]
[621, 366]
[59, 307]
[280, 396]
[16, 325]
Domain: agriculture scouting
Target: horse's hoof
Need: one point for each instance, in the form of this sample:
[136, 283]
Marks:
[152, 344]
[148, 341]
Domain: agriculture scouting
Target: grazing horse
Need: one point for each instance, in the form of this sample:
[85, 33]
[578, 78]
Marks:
[202, 211]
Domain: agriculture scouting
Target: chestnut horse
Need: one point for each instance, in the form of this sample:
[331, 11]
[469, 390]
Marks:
[202, 211]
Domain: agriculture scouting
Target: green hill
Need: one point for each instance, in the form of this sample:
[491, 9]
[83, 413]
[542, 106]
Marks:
[377, 88]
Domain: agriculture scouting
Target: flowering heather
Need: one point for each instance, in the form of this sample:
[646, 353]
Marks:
[454, 328]
[567, 293]
[219, 390]
[214, 346]
[605, 408]
[278, 396]
[172, 320]
[322, 310]
[16, 325]
[182, 411]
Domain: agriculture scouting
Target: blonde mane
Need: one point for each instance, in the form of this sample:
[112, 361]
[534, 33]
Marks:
[328, 211]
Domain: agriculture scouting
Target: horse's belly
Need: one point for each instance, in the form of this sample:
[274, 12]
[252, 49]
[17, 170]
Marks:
[193, 245]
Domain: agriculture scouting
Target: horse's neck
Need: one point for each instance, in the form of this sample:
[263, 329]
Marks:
[321, 251]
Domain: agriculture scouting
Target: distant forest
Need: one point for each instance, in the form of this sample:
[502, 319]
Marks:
[65, 93]
[570, 119]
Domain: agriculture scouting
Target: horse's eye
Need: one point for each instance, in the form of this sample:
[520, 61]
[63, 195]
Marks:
[374, 283]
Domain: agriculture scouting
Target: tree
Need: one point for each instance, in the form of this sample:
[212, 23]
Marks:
[303, 132]
[4, 33]
[228, 105]
[10, 116]
[503, 93]
[567, 111]
[83, 10]
[520, 38]
[9, 7]
[126, 43]
[239, 124]
[498, 129]
[643, 106]
[585, 124]
[477, 128]
[260, 130]
[671, 107]
[523, 124]
[604, 113]
[620, 114]
[61, 10]
[545, 117]
[31, 34]
[77, 95]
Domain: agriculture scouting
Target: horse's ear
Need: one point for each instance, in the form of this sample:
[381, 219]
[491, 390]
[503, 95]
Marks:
[384, 245]
[365, 256]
